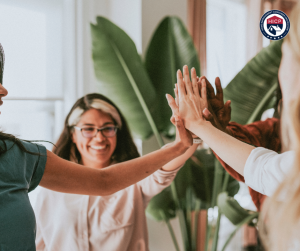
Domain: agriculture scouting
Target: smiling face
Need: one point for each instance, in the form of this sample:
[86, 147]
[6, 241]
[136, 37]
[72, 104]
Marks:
[97, 151]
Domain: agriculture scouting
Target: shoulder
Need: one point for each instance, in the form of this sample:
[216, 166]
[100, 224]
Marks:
[33, 147]
[270, 158]
[14, 148]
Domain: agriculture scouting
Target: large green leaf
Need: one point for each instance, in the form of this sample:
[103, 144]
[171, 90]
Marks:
[252, 89]
[232, 209]
[198, 174]
[194, 181]
[121, 75]
[171, 48]
[162, 202]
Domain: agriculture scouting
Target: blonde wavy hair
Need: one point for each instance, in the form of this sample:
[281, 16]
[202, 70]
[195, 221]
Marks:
[280, 220]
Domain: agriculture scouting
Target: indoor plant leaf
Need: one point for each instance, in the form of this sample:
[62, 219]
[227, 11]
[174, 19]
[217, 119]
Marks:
[162, 202]
[170, 48]
[247, 220]
[121, 75]
[198, 174]
[232, 209]
[253, 87]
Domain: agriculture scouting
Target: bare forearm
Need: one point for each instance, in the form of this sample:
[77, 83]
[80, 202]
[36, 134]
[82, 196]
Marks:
[229, 149]
[180, 160]
[64, 176]
[142, 167]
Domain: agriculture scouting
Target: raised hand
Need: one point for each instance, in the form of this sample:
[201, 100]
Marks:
[190, 103]
[219, 113]
[231, 150]
[183, 136]
[177, 100]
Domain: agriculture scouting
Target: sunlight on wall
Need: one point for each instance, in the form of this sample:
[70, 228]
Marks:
[31, 37]
[23, 37]
[226, 39]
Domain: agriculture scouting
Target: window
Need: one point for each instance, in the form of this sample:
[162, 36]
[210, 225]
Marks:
[226, 39]
[31, 37]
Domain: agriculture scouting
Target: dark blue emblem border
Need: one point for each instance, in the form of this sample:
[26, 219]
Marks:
[283, 15]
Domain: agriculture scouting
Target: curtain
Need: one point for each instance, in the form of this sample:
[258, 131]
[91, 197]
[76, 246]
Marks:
[255, 10]
[197, 29]
[284, 5]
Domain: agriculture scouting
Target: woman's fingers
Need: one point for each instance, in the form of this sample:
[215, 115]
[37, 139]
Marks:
[186, 75]
[207, 115]
[176, 95]
[180, 84]
[203, 90]
[194, 81]
[226, 116]
[172, 105]
[219, 94]
[173, 120]
[183, 135]
[209, 89]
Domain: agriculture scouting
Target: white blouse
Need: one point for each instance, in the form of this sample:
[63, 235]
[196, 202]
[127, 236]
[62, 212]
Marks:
[266, 169]
[90, 223]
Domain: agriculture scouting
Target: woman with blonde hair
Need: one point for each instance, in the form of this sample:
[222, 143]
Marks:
[267, 172]
[281, 214]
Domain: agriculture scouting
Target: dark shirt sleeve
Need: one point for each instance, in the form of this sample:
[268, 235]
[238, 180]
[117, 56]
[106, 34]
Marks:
[35, 171]
[260, 134]
[20, 172]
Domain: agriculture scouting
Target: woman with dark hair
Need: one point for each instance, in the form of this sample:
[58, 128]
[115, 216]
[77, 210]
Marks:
[96, 134]
[24, 166]
[125, 148]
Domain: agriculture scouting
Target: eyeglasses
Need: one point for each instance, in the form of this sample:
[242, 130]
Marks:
[90, 131]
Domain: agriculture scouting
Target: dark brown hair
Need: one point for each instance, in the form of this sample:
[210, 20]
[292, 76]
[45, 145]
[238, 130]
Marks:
[66, 149]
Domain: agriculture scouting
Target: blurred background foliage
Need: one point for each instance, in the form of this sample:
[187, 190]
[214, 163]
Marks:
[138, 88]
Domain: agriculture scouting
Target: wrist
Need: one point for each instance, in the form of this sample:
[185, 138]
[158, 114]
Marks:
[195, 126]
[179, 148]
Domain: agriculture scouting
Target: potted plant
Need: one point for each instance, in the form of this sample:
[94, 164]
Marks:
[138, 87]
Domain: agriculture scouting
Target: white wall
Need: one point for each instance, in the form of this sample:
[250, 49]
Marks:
[155, 10]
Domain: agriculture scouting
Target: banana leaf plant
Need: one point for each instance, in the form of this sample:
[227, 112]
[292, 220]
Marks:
[252, 90]
[138, 89]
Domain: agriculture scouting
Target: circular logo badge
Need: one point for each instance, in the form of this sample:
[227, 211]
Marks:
[274, 25]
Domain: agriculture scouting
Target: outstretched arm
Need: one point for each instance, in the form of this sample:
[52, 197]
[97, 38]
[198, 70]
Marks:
[67, 177]
[231, 150]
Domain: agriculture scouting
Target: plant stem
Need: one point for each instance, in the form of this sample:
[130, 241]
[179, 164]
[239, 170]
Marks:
[183, 228]
[216, 236]
[195, 225]
[181, 216]
[208, 231]
[208, 227]
[261, 104]
[226, 180]
[218, 177]
[171, 231]
[246, 220]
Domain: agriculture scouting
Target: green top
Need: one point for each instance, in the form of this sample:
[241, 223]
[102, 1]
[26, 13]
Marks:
[20, 173]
